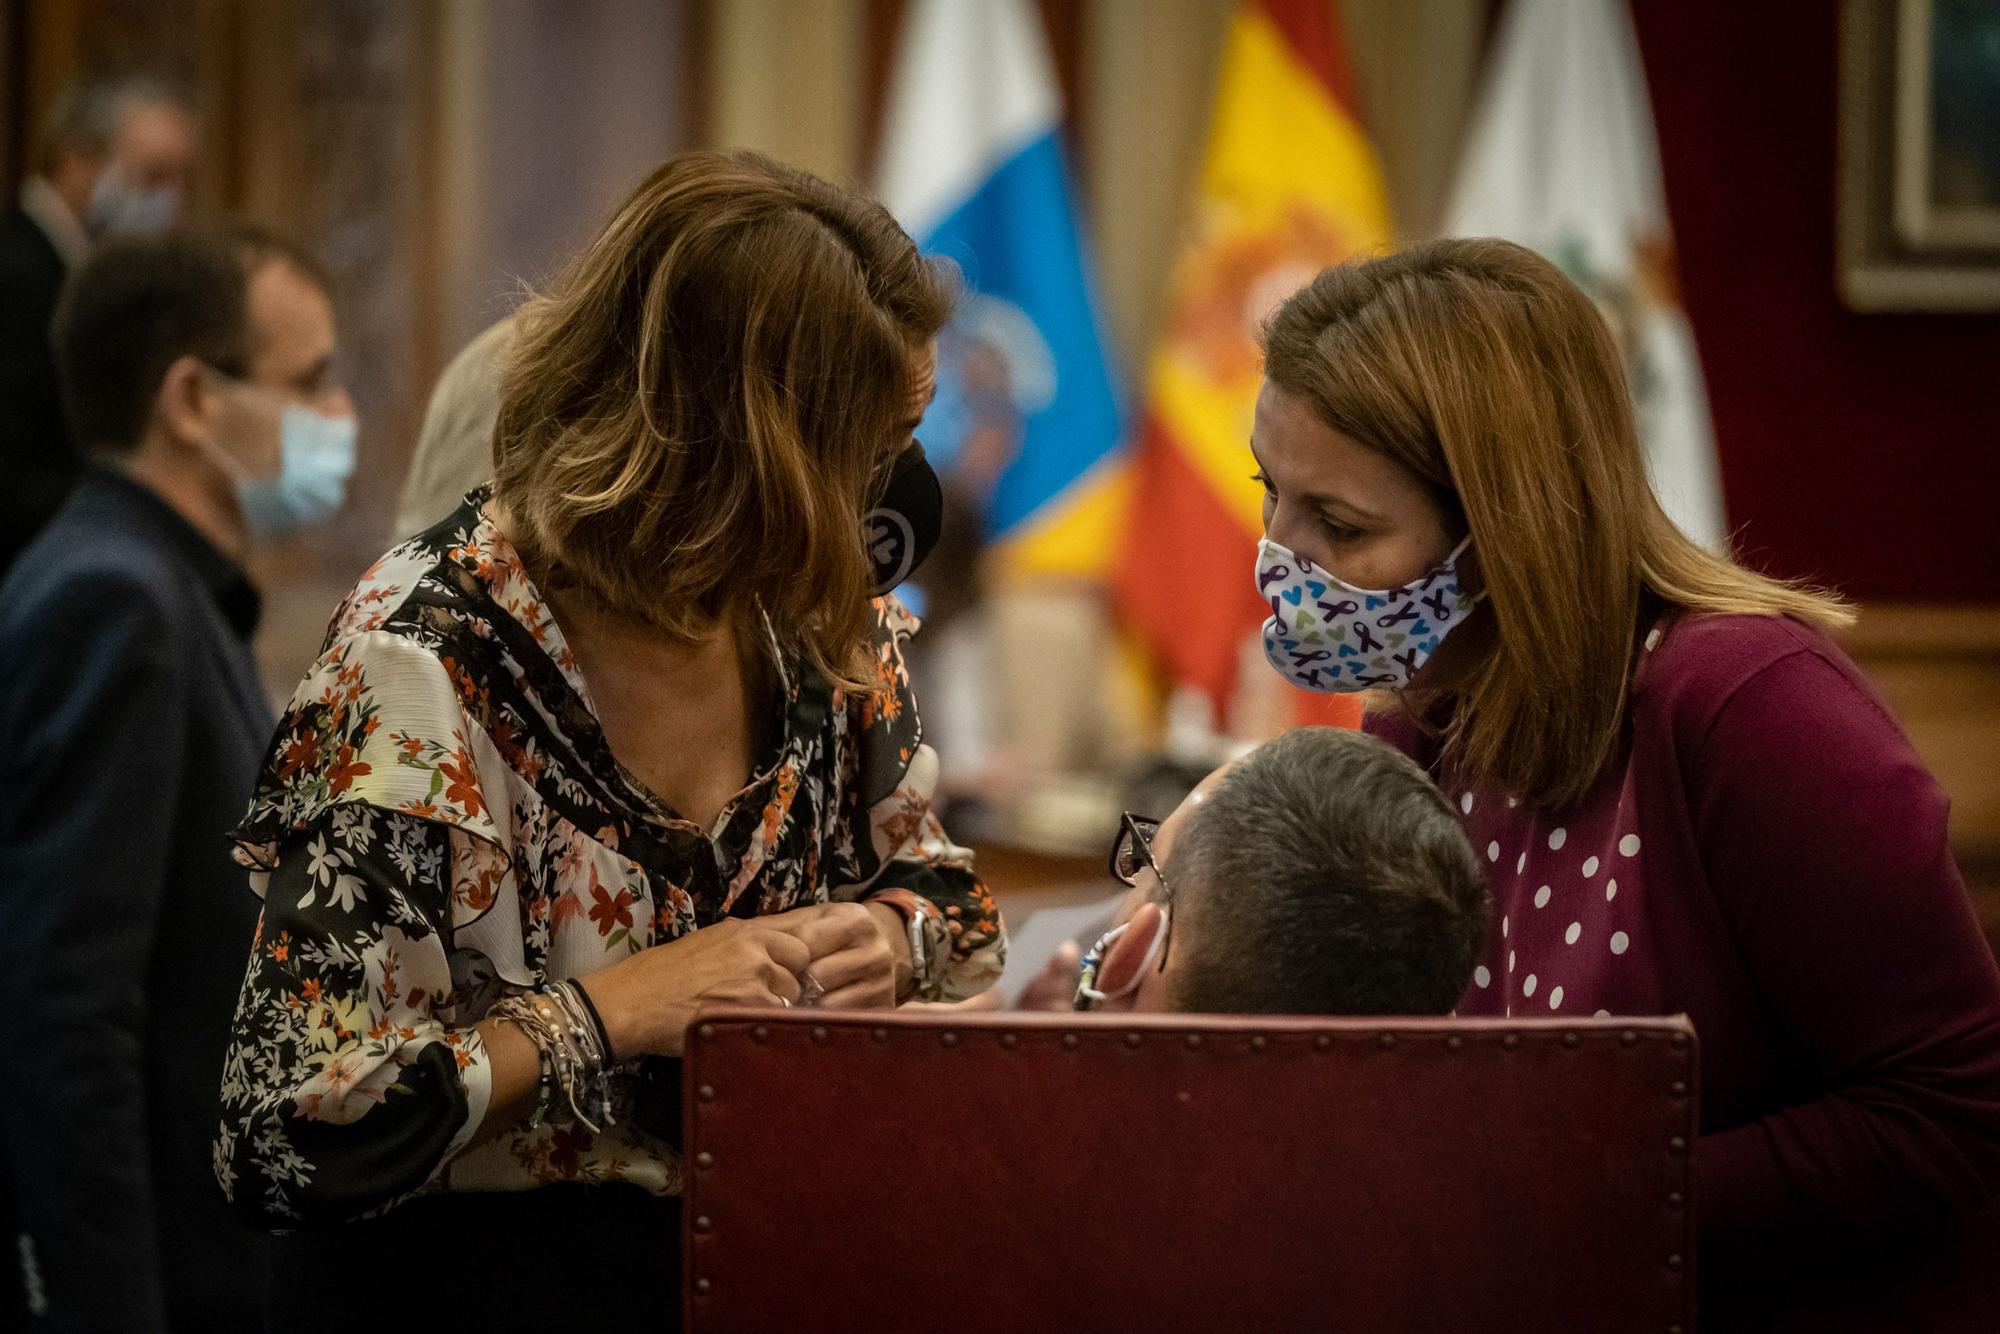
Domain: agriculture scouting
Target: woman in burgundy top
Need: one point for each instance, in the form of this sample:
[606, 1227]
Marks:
[1687, 798]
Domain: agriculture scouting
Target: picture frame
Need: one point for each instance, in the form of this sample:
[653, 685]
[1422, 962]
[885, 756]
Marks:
[1918, 171]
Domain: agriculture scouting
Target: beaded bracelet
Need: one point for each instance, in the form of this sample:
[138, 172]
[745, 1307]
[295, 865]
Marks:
[545, 1082]
[571, 1045]
[523, 1020]
[586, 1028]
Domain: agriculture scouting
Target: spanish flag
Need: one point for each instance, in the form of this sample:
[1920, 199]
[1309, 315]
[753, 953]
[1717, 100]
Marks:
[1289, 186]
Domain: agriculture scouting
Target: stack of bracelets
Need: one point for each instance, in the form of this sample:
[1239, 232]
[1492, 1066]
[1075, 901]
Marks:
[574, 1050]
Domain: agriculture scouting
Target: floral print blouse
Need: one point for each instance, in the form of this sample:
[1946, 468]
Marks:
[440, 822]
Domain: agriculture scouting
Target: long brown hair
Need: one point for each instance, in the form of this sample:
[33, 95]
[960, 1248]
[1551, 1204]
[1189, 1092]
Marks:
[1489, 375]
[694, 411]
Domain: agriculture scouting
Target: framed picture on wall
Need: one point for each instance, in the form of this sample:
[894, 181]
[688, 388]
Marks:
[1918, 213]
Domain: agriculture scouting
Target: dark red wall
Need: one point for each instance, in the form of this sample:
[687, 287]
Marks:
[1856, 449]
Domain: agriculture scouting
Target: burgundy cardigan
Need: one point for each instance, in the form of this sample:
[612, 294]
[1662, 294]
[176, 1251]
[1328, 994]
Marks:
[1768, 856]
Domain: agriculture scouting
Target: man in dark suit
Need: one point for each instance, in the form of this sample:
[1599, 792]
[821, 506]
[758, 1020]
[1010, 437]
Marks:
[197, 373]
[113, 158]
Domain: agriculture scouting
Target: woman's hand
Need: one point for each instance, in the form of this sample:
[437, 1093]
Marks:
[860, 952]
[647, 1000]
[1054, 988]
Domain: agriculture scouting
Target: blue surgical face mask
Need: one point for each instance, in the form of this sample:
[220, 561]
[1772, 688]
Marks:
[316, 457]
[118, 208]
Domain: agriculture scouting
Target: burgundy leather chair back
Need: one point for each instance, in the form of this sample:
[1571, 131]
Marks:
[1015, 1172]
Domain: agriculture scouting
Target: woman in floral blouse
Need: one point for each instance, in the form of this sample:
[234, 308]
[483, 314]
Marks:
[630, 719]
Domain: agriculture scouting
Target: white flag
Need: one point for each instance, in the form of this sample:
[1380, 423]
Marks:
[1561, 157]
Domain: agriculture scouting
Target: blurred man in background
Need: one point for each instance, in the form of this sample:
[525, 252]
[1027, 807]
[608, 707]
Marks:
[197, 372]
[112, 159]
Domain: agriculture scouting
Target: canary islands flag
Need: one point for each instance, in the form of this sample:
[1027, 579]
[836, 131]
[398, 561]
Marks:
[972, 165]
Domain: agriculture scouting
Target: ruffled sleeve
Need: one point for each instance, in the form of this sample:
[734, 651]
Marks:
[382, 722]
[354, 1073]
[378, 721]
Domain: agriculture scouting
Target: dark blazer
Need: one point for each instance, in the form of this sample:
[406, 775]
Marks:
[131, 727]
[37, 462]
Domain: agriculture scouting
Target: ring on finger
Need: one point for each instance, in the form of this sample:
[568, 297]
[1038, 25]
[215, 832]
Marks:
[810, 989]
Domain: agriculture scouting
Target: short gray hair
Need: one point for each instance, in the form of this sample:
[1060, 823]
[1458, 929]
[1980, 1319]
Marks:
[86, 115]
[1326, 874]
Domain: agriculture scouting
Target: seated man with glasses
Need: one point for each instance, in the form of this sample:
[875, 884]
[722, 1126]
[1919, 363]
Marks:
[1322, 873]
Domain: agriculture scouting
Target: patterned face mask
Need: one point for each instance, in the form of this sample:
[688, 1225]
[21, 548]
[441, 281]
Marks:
[1330, 636]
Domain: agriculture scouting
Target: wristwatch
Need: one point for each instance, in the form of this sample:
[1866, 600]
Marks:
[922, 951]
[929, 941]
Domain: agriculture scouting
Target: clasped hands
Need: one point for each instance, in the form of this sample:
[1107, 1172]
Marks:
[843, 956]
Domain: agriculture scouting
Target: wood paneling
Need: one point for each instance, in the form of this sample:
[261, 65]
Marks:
[785, 80]
[1416, 71]
[1939, 670]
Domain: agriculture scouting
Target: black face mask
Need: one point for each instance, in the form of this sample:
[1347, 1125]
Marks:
[903, 526]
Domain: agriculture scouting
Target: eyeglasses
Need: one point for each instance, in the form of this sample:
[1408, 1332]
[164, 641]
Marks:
[1132, 852]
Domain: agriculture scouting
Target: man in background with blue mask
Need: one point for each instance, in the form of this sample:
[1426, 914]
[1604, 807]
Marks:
[198, 374]
[112, 158]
